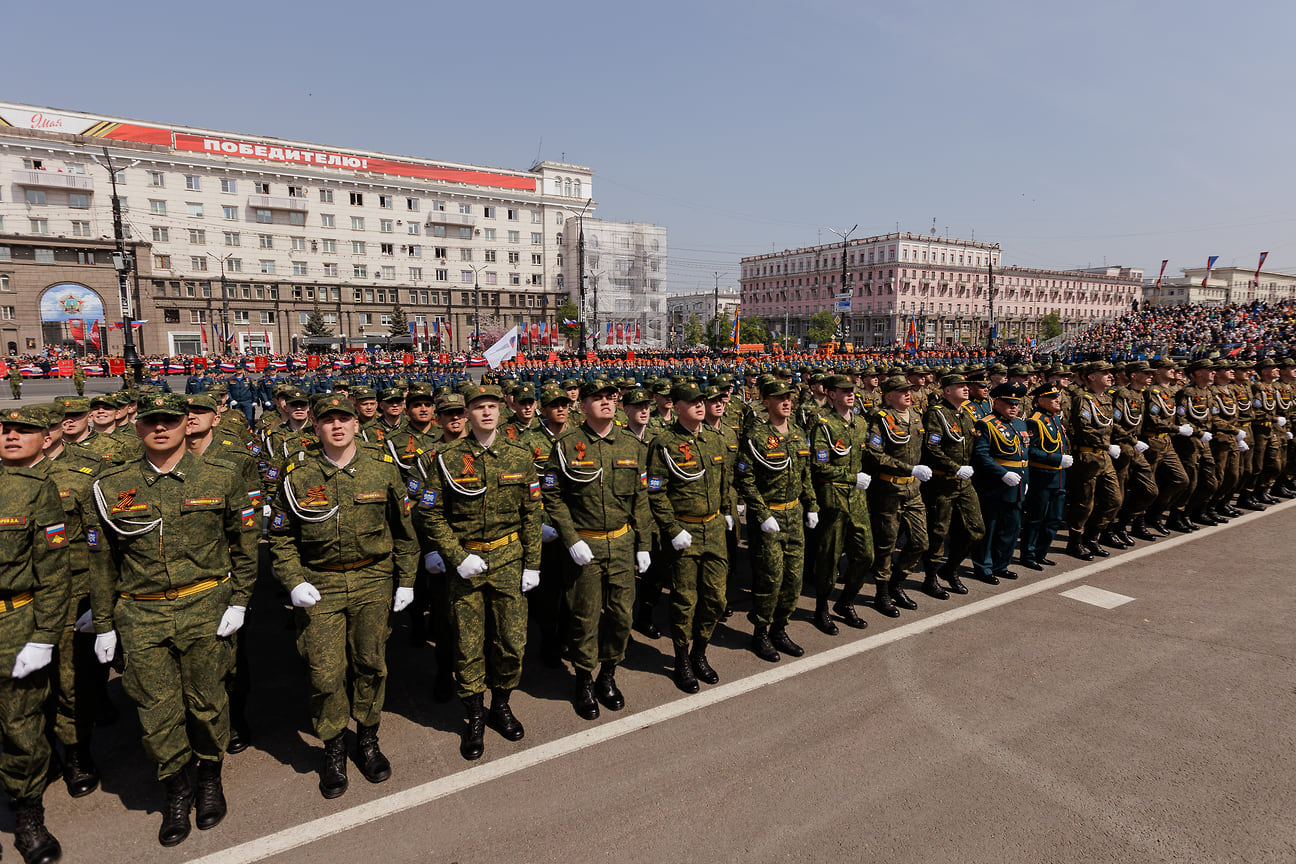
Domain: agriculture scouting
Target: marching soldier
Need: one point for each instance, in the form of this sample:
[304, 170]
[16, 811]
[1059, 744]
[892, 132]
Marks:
[1049, 455]
[1134, 473]
[952, 506]
[1093, 492]
[1000, 462]
[1161, 425]
[174, 603]
[1195, 405]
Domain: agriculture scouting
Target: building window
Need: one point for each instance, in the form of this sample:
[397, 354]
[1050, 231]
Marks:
[265, 217]
[295, 218]
[234, 265]
[79, 201]
[413, 228]
[515, 236]
[328, 247]
[415, 251]
[267, 266]
[466, 277]
[326, 220]
[513, 214]
[385, 202]
[388, 273]
[357, 247]
[536, 218]
[229, 187]
[357, 223]
[39, 226]
[85, 257]
[326, 196]
[80, 229]
[385, 226]
[488, 212]
[161, 262]
[360, 271]
[465, 209]
[491, 277]
[412, 204]
[35, 196]
[161, 235]
[357, 199]
[489, 255]
[265, 241]
[465, 255]
[442, 275]
[536, 238]
[514, 257]
[515, 279]
[537, 259]
[299, 268]
[198, 236]
[330, 269]
[198, 262]
[416, 274]
[232, 238]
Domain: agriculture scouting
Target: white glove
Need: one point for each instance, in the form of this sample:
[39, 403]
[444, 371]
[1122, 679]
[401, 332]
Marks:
[742, 510]
[85, 623]
[33, 656]
[472, 566]
[105, 646]
[1114, 451]
[682, 541]
[434, 563]
[1282, 421]
[1185, 430]
[812, 521]
[644, 560]
[1206, 437]
[1289, 436]
[728, 522]
[530, 579]
[1067, 460]
[1140, 447]
[404, 597]
[1243, 446]
[964, 472]
[1241, 435]
[1011, 479]
[770, 526]
[921, 473]
[231, 621]
[862, 480]
[304, 595]
[580, 553]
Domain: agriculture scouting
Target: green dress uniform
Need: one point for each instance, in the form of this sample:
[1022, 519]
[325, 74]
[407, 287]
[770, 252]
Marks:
[1160, 429]
[169, 553]
[838, 446]
[1134, 473]
[1195, 407]
[15, 380]
[1226, 425]
[895, 502]
[347, 531]
[1093, 491]
[1268, 439]
[773, 473]
[595, 491]
[953, 510]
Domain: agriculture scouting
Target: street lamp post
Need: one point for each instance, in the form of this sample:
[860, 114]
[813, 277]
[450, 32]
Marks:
[123, 264]
[225, 331]
[845, 238]
[477, 304]
[580, 273]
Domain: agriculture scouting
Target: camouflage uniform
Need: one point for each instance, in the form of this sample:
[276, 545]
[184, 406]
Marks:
[837, 447]
[895, 502]
[952, 506]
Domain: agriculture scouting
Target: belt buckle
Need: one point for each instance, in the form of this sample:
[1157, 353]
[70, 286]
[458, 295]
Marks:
[171, 593]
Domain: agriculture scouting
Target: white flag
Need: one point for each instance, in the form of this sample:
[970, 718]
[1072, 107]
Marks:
[504, 349]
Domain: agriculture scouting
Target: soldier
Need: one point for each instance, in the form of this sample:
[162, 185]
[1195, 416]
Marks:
[1267, 427]
[773, 470]
[78, 378]
[1195, 406]
[952, 506]
[365, 400]
[689, 489]
[838, 447]
[344, 547]
[35, 587]
[1000, 462]
[546, 607]
[391, 410]
[15, 379]
[1227, 441]
[1048, 452]
[594, 489]
[174, 603]
[1093, 492]
[1160, 426]
[480, 498]
[1134, 473]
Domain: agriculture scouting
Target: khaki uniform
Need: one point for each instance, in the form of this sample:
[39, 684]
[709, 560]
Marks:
[1093, 490]
[837, 447]
[952, 505]
[895, 502]
[1160, 429]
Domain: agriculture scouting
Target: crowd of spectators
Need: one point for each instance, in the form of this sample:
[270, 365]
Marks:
[1189, 331]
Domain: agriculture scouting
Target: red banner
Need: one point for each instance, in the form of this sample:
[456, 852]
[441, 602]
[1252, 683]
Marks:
[261, 362]
[94, 337]
[116, 366]
[407, 359]
[76, 328]
[312, 361]
[65, 368]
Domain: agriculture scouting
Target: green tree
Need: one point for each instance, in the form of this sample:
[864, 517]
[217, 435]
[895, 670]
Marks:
[1052, 326]
[568, 312]
[822, 327]
[399, 324]
[693, 333]
[316, 326]
[718, 332]
[752, 330]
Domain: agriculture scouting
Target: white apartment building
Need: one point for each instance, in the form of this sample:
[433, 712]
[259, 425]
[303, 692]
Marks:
[625, 278]
[290, 226]
[702, 305]
[1225, 285]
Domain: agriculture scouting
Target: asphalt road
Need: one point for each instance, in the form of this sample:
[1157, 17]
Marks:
[1011, 725]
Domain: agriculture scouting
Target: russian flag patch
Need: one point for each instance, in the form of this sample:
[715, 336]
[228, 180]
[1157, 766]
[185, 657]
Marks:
[55, 535]
[249, 518]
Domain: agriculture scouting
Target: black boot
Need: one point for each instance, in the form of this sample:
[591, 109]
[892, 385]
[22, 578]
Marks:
[822, 619]
[1201, 518]
[932, 588]
[474, 735]
[31, 838]
[1109, 539]
[333, 773]
[1264, 496]
[501, 717]
[898, 596]
[1123, 535]
[762, 647]
[701, 667]
[210, 798]
[1156, 525]
[644, 622]
[783, 642]
[175, 812]
[1248, 501]
[951, 577]
[685, 679]
[1178, 521]
[1091, 543]
[605, 688]
[1076, 547]
[845, 607]
[240, 731]
[79, 771]
[372, 763]
[583, 700]
[882, 601]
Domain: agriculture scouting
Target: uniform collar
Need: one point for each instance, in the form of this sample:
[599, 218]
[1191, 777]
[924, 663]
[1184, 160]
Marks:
[180, 471]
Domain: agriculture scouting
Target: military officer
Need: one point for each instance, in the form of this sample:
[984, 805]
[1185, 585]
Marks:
[773, 478]
[15, 378]
[1049, 454]
[344, 547]
[1160, 427]
[480, 499]
[1093, 491]
[34, 585]
[1195, 406]
[999, 457]
[952, 506]
[174, 602]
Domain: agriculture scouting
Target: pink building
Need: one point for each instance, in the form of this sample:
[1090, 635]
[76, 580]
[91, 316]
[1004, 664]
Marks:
[939, 283]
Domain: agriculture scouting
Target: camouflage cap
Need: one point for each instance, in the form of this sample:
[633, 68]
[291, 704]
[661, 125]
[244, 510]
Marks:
[449, 402]
[686, 392]
[419, 389]
[839, 382]
[391, 394]
[775, 388]
[170, 404]
[636, 396]
[896, 383]
[296, 394]
[953, 380]
[524, 393]
[595, 387]
[105, 400]
[360, 393]
[333, 403]
[75, 406]
[202, 402]
[33, 416]
[661, 387]
[550, 395]
[570, 383]
[55, 411]
[481, 391]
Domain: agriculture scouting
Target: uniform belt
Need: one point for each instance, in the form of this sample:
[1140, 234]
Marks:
[346, 568]
[1159, 435]
[1045, 466]
[781, 506]
[489, 545]
[844, 485]
[605, 535]
[697, 520]
[17, 601]
[1097, 450]
[892, 478]
[1010, 463]
[177, 593]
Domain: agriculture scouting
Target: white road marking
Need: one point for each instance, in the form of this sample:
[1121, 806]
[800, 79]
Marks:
[354, 817]
[1097, 596]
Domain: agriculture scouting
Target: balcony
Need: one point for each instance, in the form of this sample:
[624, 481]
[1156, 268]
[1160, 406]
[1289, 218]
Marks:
[276, 202]
[459, 219]
[53, 180]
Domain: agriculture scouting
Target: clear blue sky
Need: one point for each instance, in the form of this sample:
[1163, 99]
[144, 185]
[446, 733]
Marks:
[1075, 134]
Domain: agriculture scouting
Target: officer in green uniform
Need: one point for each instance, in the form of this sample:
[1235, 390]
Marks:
[773, 471]
[343, 546]
[595, 497]
[34, 587]
[173, 544]
[1134, 472]
[480, 498]
[1195, 404]
[1161, 426]
[953, 510]
[15, 379]
[838, 447]
[78, 378]
[547, 608]
[1093, 492]
[689, 488]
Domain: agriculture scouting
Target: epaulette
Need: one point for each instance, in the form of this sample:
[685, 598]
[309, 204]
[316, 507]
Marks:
[221, 463]
[27, 472]
[387, 458]
[114, 468]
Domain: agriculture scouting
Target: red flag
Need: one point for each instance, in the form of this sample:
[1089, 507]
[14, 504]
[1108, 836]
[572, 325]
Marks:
[1164, 262]
[638, 333]
[76, 327]
[95, 339]
[620, 332]
[203, 331]
[1255, 283]
[608, 340]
